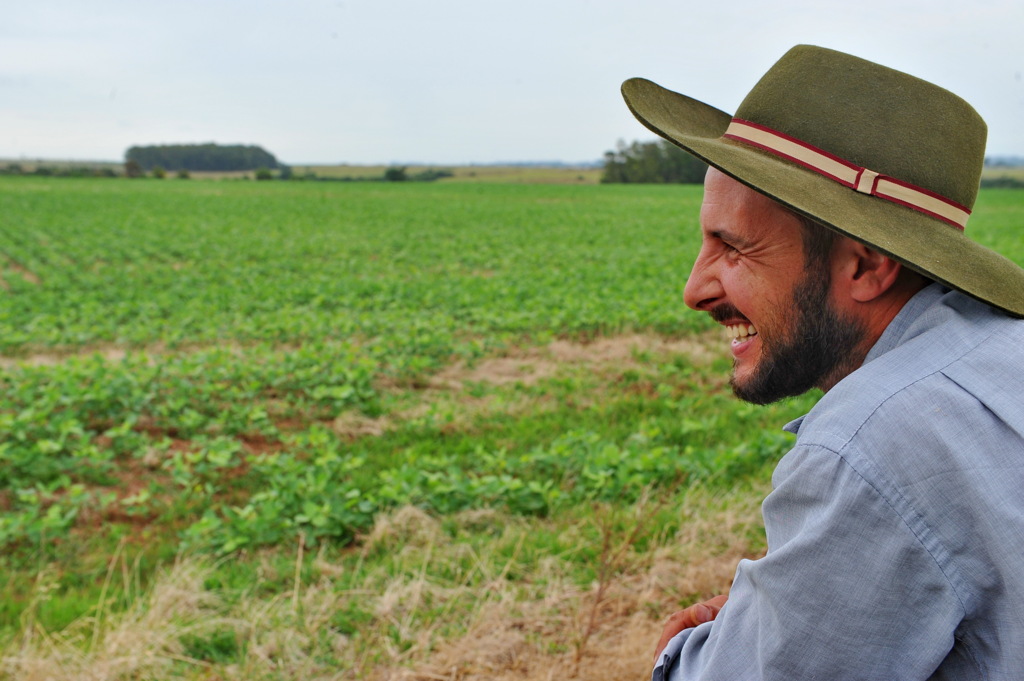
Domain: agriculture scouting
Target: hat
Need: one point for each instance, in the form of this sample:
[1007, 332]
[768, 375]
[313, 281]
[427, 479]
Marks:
[880, 156]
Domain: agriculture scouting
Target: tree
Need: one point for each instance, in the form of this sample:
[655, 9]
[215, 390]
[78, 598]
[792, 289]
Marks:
[133, 169]
[395, 174]
[208, 156]
[657, 162]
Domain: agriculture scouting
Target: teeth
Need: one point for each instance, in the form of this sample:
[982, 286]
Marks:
[740, 331]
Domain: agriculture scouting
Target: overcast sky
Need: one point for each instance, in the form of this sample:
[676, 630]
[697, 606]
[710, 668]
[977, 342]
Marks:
[448, 81]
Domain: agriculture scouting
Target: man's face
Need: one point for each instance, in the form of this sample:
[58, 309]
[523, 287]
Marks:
[753, 277]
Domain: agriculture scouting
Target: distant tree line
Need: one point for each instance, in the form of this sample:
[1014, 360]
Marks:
[401, 174]
[210, 157]
[391, 174]
[133, 169]
[62, 170]
[1004, 161]
[1002, 182]
[659, 162]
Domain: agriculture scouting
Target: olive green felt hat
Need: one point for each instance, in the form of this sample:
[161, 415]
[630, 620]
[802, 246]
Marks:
[883, 157]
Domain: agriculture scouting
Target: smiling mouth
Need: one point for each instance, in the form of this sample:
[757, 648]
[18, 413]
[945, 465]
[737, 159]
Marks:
[740, 332]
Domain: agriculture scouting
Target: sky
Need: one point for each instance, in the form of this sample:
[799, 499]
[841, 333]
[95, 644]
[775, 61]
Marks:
[448, 81]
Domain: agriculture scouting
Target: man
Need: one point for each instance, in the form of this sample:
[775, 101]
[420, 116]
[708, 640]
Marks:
[833, 252]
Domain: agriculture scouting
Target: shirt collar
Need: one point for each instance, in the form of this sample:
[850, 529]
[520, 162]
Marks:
[794, 425]
[896, 333]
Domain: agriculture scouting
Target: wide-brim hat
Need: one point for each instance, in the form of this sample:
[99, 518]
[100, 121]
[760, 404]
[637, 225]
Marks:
[878, 155]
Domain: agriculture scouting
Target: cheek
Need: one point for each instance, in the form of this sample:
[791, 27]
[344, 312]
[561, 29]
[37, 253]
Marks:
[742, 289]
[766, 304]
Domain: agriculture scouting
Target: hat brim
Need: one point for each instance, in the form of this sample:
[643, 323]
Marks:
[922, 243]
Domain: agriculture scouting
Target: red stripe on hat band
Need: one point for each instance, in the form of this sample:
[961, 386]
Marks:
[848, 174]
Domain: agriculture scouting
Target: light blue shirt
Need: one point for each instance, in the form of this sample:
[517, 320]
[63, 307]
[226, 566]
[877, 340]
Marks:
[896, 523]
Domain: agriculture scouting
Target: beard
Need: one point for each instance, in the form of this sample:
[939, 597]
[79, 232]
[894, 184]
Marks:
[808, 345]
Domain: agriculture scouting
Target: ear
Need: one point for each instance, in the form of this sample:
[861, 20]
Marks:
[865, 273]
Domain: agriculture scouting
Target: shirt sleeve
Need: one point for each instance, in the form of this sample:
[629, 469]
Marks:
[846, 591]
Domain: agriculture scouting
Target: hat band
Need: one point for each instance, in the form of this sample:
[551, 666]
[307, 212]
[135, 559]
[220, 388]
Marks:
[849, 174]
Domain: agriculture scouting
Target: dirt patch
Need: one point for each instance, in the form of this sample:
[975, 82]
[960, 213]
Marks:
[109, 353]
[451, 390]
[355, 425]
[527, 370]
[24, 272]
[700, 349]
[113, 352]
[530, 365]
[524, 365]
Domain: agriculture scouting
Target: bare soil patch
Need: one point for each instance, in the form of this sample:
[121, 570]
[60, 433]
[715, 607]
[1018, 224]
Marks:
[530, 365]
[110, 353]
[451, 390]
[24, 272]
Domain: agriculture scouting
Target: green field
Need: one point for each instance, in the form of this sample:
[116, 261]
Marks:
[353, 425]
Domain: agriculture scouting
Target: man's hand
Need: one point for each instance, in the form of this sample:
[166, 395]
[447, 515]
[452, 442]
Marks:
[691, 617]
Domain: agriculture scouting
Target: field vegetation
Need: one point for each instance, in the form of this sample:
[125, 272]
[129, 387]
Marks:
[296, 430]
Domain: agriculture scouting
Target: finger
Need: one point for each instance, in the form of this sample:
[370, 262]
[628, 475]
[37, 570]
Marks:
[678, 621]
[692, 616]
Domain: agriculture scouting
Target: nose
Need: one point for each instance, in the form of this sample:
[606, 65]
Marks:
[703, 289]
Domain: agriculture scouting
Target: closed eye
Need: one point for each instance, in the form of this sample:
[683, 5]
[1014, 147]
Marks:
[730, 241]
[730, 249]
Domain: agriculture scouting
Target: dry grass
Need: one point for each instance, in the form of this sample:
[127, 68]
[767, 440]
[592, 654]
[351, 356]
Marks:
[444, 604]
[620, 620]
[142, 642]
